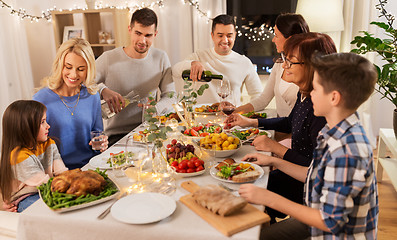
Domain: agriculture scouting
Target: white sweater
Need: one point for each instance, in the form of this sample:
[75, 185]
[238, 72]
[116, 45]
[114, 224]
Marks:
[284, 92]
[234, 67]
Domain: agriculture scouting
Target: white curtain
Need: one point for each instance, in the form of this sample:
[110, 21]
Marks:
[375, 113]
[182, 30]
[15, 72]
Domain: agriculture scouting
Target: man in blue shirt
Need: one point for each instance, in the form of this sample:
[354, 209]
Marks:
[341, 198]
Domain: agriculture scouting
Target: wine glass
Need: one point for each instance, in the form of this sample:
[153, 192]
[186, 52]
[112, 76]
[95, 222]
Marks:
[223, 89]
[227, 106]
[136, 154]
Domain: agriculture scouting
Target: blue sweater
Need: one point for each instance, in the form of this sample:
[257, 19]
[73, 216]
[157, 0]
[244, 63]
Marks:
[72, 133]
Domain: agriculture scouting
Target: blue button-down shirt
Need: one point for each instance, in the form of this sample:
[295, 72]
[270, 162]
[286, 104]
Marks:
[341, 182]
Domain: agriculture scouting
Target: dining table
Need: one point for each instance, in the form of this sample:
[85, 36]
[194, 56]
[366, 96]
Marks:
[40, 222]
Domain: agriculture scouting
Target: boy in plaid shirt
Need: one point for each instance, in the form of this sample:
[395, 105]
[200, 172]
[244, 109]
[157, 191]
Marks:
[341, 198]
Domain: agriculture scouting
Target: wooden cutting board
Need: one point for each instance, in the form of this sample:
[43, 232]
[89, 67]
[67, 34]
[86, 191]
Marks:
[248, 217]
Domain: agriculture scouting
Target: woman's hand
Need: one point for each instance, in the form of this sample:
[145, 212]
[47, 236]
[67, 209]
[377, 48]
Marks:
[252, 193]
[264, 143]
[236, 119]
[104, 144]
[10, 207]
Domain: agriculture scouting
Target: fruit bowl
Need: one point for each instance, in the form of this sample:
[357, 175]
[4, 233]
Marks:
[218, 153]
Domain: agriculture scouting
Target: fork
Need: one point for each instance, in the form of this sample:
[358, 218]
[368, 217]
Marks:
[226, 187]
[107, 210]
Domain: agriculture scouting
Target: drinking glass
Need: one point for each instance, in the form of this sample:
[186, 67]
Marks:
[136, 154]
[97, 138]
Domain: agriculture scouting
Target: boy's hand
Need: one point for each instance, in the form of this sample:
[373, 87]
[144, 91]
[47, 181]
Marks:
[260, 159]
[113, 100]
[236, 119]
[252, 193]
[196, 69]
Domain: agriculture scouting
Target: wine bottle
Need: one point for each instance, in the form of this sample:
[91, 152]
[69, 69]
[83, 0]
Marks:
[132, 97]
[206, 76]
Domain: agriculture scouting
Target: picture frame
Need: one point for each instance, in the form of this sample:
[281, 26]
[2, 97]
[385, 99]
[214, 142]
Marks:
[70, 32]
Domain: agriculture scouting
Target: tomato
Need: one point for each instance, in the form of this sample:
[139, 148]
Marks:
[187, 132]
[191, 170]
[238, 168]
[182, 171]
[191, 164]
[194, 158]
[198, 169]
[193, 133]
[173, 142]
[204, 134]
[200, 128]
[197, 163]
[182, 165]
[175, 164]
[256, 131]
[218, 129]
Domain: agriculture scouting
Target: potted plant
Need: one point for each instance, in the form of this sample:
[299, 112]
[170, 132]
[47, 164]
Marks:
[387, 49]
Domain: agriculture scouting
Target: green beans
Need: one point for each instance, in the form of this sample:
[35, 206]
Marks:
[57, 200]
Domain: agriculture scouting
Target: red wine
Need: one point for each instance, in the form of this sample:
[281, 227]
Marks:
[223, 95]
[228, 110]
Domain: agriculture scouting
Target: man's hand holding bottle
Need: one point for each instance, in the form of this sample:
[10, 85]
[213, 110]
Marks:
[114, 100]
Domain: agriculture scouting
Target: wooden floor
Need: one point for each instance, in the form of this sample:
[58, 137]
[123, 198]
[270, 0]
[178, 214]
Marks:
[387, 226]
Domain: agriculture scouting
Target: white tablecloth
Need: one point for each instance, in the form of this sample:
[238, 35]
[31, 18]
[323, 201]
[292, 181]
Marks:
[39, 222]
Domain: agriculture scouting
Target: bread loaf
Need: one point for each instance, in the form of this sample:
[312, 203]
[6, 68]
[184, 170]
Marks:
[249, 176]
[218, 200]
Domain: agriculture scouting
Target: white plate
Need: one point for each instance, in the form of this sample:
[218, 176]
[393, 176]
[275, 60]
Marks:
[190, 174]
[99, 161]
[213, 172]
[204, 113]
[142, 208]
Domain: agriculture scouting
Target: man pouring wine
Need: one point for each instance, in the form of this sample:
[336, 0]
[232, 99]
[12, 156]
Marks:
[236, 69]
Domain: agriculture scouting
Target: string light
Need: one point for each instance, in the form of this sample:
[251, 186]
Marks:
[21, 13]
[257, 33]
[195, 4]
[46, 15]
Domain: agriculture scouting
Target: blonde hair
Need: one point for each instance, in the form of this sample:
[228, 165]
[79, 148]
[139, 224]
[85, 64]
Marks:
[80, 47]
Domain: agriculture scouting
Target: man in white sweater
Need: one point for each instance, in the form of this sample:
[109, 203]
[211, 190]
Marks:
[138, 68]
[220, 59]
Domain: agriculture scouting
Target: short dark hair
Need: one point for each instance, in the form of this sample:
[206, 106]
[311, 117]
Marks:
[353, 76]
[224, 20]
[145, 16]
[307, 44]
[291, 23]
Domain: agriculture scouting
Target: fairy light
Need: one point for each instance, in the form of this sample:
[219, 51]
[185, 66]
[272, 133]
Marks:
[257, 33]
[46, 15]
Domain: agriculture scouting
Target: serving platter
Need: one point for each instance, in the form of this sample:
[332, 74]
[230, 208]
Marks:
[214, 171]
[87, 204]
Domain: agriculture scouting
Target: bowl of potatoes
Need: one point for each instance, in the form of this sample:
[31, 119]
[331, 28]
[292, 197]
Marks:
[220, 144]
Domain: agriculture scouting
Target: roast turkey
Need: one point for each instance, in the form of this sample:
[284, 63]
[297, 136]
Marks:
[78, 182]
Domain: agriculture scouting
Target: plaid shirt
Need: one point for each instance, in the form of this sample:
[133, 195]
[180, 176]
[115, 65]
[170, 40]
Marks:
[341, 183]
